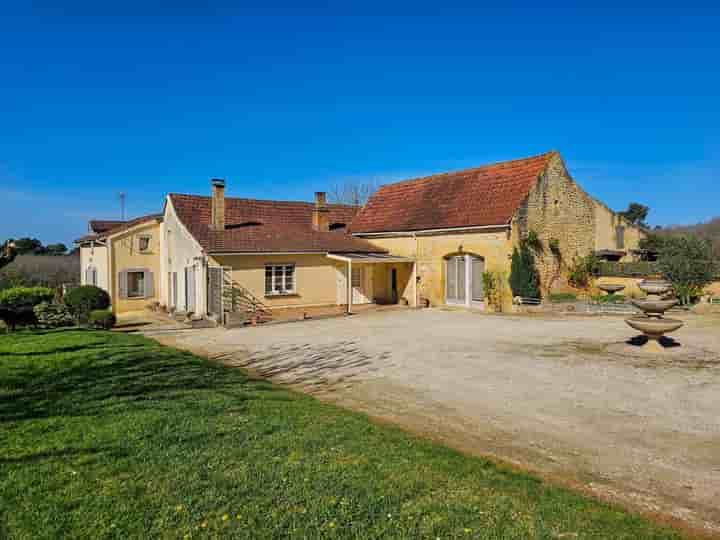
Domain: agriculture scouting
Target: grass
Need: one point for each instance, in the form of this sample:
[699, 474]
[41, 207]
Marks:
[114, 436]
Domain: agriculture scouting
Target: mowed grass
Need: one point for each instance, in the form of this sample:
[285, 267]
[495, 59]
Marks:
[113, 436]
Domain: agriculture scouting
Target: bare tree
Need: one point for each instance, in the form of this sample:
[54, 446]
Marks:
[7, 253]
[353, 192]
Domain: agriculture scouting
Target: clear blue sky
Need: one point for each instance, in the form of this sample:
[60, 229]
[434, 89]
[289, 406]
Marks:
[285, 100]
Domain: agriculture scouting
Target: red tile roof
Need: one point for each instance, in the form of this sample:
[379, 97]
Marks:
[283, 226]
[99, 226]
[104, 228]
[487, 195]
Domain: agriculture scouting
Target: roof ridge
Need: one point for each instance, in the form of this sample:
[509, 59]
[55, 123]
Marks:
[438, 176]
[249, 199]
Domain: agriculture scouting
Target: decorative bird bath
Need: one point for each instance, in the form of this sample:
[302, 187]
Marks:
[653, 323]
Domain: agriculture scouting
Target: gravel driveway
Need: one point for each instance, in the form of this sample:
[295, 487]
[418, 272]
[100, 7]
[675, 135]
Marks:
[559, 396]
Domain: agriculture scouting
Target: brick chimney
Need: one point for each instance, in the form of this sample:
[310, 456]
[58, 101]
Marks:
[217, 206]
[321, 219]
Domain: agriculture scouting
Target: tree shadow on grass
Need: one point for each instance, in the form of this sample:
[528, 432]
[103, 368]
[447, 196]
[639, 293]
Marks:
[105, 372]
[107, 451]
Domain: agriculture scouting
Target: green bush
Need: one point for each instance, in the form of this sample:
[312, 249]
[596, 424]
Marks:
[635, 269]
[82, 300]
[53, 315]
[17, 303]
[609, 298]
[102, 319]
[582, 271]
[688, 263]
[524, 278]
[559, 298]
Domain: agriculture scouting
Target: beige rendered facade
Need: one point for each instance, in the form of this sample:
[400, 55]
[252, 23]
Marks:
[134, 262]
[94, 265]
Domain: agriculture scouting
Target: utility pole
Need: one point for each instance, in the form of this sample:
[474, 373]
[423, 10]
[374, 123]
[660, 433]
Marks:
[121, 196]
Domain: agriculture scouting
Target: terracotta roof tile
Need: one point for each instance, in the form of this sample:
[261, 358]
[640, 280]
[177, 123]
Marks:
[99, 226]
[104, 228]
[254, 225]
[487, 195]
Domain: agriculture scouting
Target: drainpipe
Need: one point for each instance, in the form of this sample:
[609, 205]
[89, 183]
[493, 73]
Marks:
[349, 287]
[414, 273]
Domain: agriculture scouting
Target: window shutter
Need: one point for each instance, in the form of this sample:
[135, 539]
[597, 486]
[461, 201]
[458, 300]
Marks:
[149, 284]
[123, 284]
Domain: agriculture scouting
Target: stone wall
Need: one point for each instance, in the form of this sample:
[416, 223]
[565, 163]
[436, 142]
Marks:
[607, 223]
[557, 210]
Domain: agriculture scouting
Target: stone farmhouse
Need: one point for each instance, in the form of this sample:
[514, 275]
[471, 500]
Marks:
[423, 241]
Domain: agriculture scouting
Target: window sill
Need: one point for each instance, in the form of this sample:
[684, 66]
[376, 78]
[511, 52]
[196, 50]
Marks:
[282, 295]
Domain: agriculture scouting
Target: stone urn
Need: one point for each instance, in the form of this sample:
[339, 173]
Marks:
[611, 288]
[653, 323]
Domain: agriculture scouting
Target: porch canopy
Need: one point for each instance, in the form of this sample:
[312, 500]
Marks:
[369, 258]
[372, 258]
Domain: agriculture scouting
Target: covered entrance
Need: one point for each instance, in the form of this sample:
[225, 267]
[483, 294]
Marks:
[463, 280]
[375, 278]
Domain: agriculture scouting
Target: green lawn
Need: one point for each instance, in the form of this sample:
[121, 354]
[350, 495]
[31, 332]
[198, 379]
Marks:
[114, 436]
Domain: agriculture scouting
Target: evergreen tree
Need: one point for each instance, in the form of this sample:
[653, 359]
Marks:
[524, 279]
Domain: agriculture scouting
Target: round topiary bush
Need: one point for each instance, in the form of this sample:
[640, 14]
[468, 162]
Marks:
[82, 300]
[17, 303]
[102, 319]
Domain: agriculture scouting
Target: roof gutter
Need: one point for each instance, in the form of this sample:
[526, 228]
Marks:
[427, 232]
[319, 252]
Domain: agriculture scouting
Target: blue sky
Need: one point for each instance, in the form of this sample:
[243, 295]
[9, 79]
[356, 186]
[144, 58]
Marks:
[284, 100]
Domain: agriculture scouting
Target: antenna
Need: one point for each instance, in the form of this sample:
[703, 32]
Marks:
[121, 196]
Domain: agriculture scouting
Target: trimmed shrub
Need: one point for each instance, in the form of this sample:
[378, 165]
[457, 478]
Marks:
[524, 278]
[613, 298]
[102, 319]
[559, 298]
[636, 269]
[17, 303]
[53, 315]
[82, 300]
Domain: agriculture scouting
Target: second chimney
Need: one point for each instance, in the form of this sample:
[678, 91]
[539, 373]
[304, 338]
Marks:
[321, 218]
[217, 205]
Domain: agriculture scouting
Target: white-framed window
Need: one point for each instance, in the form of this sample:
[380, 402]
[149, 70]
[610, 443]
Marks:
[279, 279]
[144, 242]
[91, 275]
[136, 284]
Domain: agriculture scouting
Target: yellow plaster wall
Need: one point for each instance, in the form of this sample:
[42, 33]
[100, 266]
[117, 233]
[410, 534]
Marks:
[316, 278]
[429, 252]
[605, 223]
[124, 254]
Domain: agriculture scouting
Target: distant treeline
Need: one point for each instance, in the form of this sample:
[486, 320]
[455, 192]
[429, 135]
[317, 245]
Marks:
[710, 230]
[33, 246]
[41, 270]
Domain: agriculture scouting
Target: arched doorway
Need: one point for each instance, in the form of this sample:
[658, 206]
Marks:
[463, 280]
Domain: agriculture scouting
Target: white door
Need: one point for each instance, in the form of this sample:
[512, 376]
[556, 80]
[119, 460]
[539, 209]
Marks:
[463, 280]
[190, 289]
[456, 280]
[360, 286]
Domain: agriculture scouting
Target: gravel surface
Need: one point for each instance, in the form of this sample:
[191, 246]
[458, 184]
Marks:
[566, 397]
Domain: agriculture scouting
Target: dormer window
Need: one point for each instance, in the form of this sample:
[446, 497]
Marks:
[242, 225]
[336, 226]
